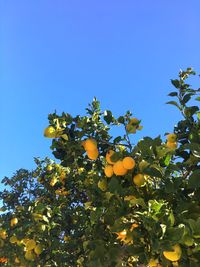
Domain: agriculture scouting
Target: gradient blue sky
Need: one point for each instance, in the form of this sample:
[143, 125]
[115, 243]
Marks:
[60, 54]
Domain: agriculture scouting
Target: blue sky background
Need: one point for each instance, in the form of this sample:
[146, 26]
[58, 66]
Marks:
[60, 54]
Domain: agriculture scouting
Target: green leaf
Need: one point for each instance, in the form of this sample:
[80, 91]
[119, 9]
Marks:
[197, 98]
[173, 94]
[194, 179]
[175, 233]
[186, 98]
[121, 119]
[154, 172]
[175, 83]
[108, 117]
[167, 159]
[114, 186]
[174, 103]
[116, 156]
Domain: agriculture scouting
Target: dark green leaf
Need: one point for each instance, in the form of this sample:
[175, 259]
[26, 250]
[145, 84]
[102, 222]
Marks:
[173, 94]
[175, 83]
[194, 179]
[174, 103]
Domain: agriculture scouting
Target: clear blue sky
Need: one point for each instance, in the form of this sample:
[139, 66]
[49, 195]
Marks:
[59, 54]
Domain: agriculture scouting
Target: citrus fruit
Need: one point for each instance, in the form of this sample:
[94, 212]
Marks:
[30, 244]
[174, 255]
[50, 132]
[3, 234]
[90, 144]
[171, 137]
[108, 171]
[119, 169]
[171, 145]
[13, 239]
[128, 163]
[139, 180]
[108, 157]
[13, 222]
[29, 255]
[93, 154]
[38, 249]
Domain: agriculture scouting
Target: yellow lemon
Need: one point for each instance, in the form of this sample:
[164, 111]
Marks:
[108, 157]
[53, 181]
[17, 260]
[90, 144]
[3, 234]
[13, 222]
[29, 255]
[38, 249]
[139, 180]
[30, 244]
[171, 145]
[50, 132]
[128, 163]
[93, 154]
[49, 168]
[154, 263]
[108, 171]
[13, 239]
[171, 138]
[173, 255]
[119, 169]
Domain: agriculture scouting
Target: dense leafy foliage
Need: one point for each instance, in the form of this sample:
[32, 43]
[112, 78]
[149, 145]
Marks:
[72, 212]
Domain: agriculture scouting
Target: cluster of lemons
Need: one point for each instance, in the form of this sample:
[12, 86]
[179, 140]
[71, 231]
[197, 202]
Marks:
[31, 248]
[121, 167]
[171, 141]
[90, 146]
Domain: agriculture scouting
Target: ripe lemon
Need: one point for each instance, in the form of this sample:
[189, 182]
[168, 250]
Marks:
[139, 180]
[30, 244]
[13, 222]
[53, 181]
[90, 144]
[38, 249]
[50, 132]
[174, 255]
[171, 138]
[154, 263]
[3, 234]
[13, 239]
[171, 145]
[102, 184]
[49, 168]
[108, 157]
[93, 154]
[29, 255]
[119, 169]
[128, 163]
[108, 171]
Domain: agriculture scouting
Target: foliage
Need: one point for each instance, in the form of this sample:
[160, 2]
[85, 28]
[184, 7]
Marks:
[77, 215]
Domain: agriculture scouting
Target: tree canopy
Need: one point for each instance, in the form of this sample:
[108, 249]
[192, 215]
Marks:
[104, 201]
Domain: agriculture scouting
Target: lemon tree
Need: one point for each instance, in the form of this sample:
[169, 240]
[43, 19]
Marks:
[104, 201]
